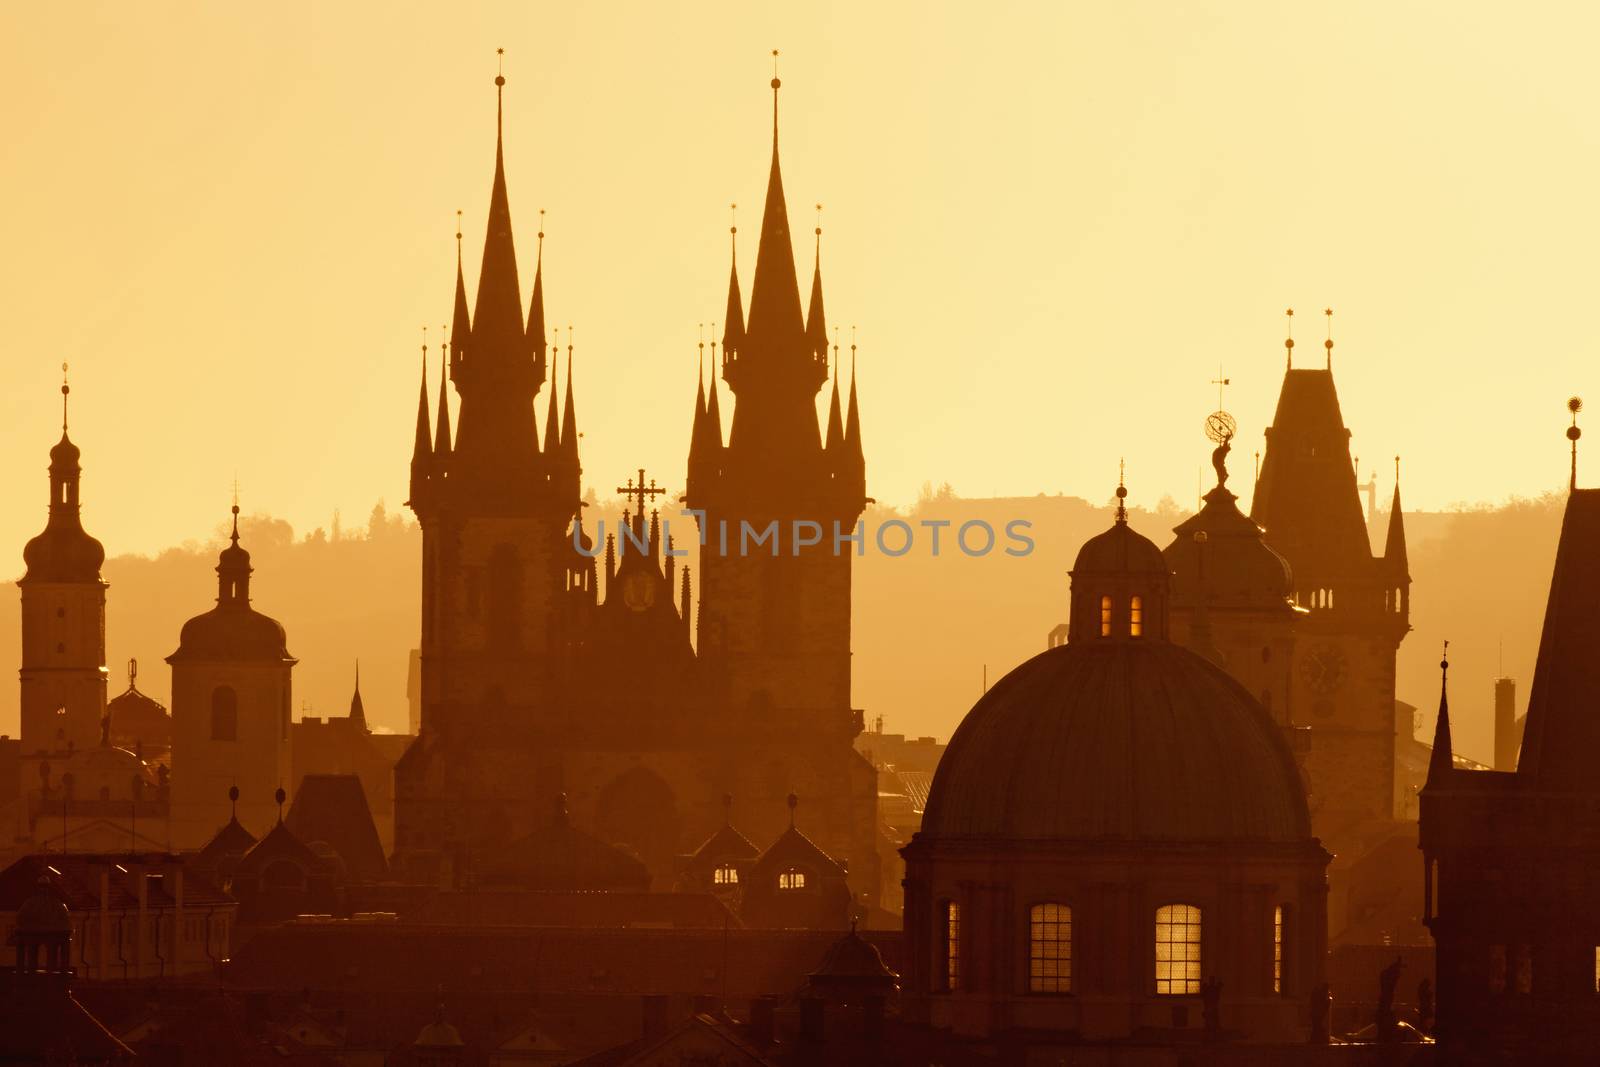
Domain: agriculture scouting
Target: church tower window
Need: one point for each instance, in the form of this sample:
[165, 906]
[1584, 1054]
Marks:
[793, 878]
[1177, 949]
[1050, 948]
[727, 874]
[1105, 616]
[1136, 617]
[224, 714]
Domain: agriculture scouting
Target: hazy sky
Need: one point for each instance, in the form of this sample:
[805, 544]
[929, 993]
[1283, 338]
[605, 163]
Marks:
[1051, 223]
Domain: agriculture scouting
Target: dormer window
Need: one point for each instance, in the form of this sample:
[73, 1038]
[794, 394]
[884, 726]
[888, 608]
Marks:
[1136, 617]
[1105, 616]
[727, 874]
[793, 878]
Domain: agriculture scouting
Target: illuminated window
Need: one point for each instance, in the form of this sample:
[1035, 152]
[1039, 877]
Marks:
[793, 878]
[1105, 616]
[1050, 949]
[1277, 949]
[1136, 617]
[1178, 949]
[952, 946]
[727, 874]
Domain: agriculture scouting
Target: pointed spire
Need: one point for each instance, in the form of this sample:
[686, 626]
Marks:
[669, 564]
[569, 412]
[497, 318]
[816, 320]
[1440, 763]
[536, 303]
[461, 321]
[733, 319]
[775, 293]
[441, 436]
[852, 425]
[713, 409]
[1394, 546]
[655, 533]
[835, 435]
[422, 447]
[688, 601]
[552, 422]
[611, 559]
[358, 711]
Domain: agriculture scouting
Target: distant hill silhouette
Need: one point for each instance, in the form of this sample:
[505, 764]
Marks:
[924, 627]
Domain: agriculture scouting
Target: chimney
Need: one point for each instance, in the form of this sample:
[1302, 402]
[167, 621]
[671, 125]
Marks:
[1506, 741]
[655, 1015]
[762, 1020]
[811, 1020]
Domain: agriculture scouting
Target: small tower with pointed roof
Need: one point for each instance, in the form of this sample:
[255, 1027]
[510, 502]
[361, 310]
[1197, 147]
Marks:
[1356, 604]
[231, 700]
[63, 617]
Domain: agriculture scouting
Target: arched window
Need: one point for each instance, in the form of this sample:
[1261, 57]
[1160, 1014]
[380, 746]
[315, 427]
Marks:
[793, 878]
[951, 943]
[727, 874]
[1136, 617]
[1277, 949]
[224, 714]
[1105, 616]
[1177, 949]
[1050, 948]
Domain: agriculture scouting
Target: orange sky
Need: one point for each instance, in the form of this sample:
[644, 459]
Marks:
[1051, 223]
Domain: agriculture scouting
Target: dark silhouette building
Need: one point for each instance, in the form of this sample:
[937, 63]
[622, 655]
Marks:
[1115, 826]
[1511, 892]
[1357, 608]
[546, 670]
[231, 700]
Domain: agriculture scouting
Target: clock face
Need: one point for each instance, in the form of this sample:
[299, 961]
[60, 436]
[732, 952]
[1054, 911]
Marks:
[1324, 669]
[639, 591]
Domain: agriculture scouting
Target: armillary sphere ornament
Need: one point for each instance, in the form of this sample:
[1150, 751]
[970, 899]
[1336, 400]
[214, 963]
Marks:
[1220, 427]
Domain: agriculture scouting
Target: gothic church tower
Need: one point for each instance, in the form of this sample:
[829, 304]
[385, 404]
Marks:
[774, 626]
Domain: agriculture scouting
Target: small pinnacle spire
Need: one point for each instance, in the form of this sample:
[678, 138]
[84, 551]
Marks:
[1328, 344]
[687, 599]
[569, 415]
[441, 437]
[852, 421]
[1574, 405]
[1122, 492]
[733, 319]
[422, 447]
[552, 422]
[1288, 342]
[1440, 763]
[1394, 547]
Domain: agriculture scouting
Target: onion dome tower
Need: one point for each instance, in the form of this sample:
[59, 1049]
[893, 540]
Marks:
[231, 701]
[1119, 750]
[63, 617]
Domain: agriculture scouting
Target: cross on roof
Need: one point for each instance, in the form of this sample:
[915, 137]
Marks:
[640, 490]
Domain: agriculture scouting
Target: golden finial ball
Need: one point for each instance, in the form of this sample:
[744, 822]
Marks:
[1328, 344]
[1288, 342]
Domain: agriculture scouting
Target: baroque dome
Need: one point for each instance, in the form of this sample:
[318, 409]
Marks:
[1134, 740]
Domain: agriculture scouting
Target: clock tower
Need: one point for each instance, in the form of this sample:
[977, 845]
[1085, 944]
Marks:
[1356, 605]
